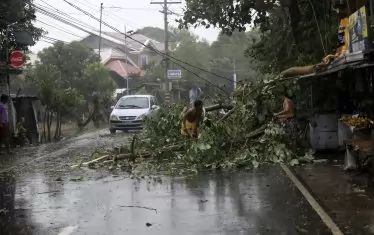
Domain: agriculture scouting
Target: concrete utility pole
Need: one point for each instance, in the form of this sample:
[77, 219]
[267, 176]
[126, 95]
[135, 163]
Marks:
[165, 4]
[127, 78]
[101, 17]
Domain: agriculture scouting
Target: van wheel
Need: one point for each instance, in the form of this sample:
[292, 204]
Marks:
[112, 131]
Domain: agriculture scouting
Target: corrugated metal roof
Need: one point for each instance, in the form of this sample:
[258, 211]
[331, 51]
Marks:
[339, 67]
[123, 69]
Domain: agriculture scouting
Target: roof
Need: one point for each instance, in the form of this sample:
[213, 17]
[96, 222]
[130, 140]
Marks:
[108, 54]
[124, 69]
[350, 61]
[133, 42]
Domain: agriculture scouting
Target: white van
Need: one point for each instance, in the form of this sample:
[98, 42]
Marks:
[129, 112]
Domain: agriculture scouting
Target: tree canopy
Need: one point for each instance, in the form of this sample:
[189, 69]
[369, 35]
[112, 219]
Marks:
[16, 15]
[290, 33]
[231, 15]
[70, 82]
[218, 57]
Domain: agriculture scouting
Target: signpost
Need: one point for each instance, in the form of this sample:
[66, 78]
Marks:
[174, 74]
[16, 59]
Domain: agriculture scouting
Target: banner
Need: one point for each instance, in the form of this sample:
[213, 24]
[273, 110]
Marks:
[358, 30]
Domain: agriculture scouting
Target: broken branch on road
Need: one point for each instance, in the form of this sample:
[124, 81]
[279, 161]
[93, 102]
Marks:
[245, 136]
[141, 207]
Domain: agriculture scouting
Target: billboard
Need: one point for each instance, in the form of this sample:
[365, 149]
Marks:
[358, 30]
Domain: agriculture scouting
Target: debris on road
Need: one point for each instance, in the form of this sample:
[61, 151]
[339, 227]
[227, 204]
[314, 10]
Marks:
[246, 136]
[141, 207]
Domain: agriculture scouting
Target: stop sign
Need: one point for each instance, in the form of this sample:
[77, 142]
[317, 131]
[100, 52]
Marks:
[16, 59]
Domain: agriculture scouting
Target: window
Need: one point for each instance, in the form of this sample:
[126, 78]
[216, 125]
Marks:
[133, 103]
[143, 61]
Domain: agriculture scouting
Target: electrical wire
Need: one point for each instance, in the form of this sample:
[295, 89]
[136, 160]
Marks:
[198, 76]
[61, 19]
[49, 8]
[53, 39]
[319, 30]
[62, 30]
[147, 46]
[43, 36]
[46, 41]
[112, 16]
[151, 48]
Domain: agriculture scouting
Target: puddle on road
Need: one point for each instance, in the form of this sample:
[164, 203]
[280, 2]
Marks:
[249, 203]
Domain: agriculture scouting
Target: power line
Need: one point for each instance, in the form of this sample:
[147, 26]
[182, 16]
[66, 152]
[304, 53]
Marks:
[63, 14]
[53, 39]
[47, 41]
[151, 48]
[132, 8]
[61, 19]
[112, 16]
[62, 30]
[147, 46]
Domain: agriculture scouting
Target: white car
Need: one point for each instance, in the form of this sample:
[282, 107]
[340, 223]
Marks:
[129, 112]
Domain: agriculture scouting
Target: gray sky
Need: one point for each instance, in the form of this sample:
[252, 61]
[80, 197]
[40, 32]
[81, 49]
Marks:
[133, 14]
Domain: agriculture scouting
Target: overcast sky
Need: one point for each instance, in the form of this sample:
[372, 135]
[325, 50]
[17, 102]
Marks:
[133, 14]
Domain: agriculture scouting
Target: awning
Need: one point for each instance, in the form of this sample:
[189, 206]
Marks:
[339, 67]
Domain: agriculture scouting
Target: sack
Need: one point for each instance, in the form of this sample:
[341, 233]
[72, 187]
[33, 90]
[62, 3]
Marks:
[350, 160]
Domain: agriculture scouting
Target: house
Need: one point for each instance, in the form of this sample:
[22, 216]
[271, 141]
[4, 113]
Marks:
[126, 58]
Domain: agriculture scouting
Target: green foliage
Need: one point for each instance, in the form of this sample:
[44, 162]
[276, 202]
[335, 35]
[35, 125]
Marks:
[166, 122]
[280, 47]
[21, 14]
[217, 58]
[247, 138]
[70, 59]
[153, 32]
[291, 32]
[228, 15]
[96, 81]
[193, 51]
[227, 50]
[70, 81]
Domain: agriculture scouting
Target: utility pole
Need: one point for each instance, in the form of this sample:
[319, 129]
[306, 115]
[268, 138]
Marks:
[165, 4]
[127, 78]
[101, 17]
[234, 76]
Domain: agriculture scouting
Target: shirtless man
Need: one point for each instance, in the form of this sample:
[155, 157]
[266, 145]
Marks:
[287, 116]
[192, 119]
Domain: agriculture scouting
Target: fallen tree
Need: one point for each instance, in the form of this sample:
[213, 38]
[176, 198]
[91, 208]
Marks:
[246, 136]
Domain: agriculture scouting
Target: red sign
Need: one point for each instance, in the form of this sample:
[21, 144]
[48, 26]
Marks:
[16, 59]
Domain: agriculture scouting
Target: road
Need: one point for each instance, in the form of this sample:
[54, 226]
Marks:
[41, 194]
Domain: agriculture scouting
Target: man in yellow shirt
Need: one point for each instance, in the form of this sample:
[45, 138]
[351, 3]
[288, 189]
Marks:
[192, 119]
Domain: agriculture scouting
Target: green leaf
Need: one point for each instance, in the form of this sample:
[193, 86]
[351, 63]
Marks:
[255, 163]
[294, 162]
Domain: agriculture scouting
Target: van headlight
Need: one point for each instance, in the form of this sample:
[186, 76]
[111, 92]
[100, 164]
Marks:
[114, 118]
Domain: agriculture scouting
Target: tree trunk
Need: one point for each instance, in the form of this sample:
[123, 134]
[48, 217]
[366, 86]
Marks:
[58, 120]
[49, 124]
[59, 129]
[43, 137]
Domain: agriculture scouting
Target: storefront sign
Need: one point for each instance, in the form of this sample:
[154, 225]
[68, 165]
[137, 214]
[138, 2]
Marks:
[16, 59]
[358, 30]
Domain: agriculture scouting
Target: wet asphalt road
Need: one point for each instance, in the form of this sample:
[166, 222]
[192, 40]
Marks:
[346, 197]
[42, 195]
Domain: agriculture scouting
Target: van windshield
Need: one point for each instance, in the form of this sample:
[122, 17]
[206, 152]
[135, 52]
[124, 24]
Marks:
[133, 103]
